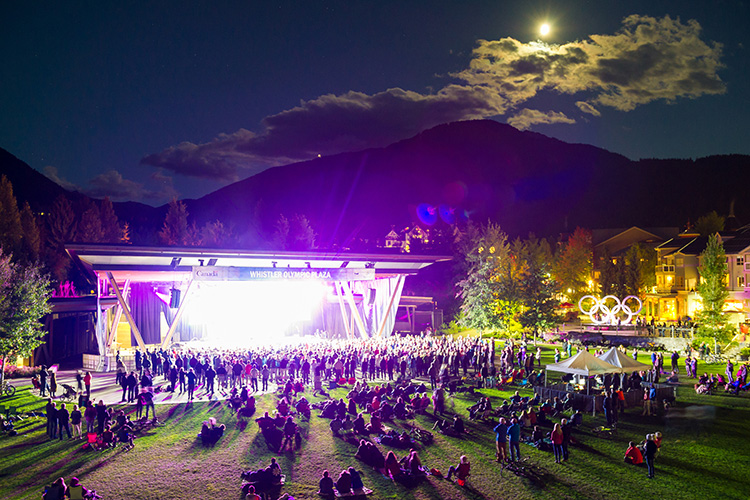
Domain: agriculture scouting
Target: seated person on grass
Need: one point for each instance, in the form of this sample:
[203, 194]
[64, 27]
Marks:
[462, 470]
[392, 466]
[453, 428]
[358, 425]
[344, 483]
[537, 436]
[303, 407]
[412, 463]
[283, 407]
[76, 491]
[633, 454]
[375, 426]
[108, 437]
[325, 486]
[125, 436]
[358, 486]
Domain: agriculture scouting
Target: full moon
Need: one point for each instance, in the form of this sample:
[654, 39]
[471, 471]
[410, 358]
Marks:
[544, 29]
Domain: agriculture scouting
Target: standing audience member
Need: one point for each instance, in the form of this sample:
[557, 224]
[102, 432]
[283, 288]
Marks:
[63, 419]
[87, 383]
[89, 414]
[557, 438]
[101, 416]
[650, 454]
[52, 384]
[501, 440]
[75, 422]
[51, 411]
[514, 438]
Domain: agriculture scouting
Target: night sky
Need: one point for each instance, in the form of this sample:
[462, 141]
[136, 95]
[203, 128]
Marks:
[150, 100]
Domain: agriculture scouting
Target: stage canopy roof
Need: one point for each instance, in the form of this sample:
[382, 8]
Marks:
[165, 264]
[625, 362]
[584, 363]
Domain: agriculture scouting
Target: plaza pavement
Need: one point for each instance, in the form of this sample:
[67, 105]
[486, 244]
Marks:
[103, 387]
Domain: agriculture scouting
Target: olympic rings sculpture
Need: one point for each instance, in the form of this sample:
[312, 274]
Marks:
[605, 311]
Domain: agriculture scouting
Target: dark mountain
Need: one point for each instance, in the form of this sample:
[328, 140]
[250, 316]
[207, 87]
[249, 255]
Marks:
[484, 169]
[478, 169]
[29, 185]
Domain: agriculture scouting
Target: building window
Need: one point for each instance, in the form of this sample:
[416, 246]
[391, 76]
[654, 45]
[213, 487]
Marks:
[740, 281]
[740, 260]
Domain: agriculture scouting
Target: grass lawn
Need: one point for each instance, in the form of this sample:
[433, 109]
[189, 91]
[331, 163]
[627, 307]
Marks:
[704, 455]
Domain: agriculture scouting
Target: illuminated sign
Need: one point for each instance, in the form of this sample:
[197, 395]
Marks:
[604, 311]
[212, 273]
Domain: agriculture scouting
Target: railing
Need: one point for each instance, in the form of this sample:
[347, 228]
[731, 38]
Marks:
[664, 269]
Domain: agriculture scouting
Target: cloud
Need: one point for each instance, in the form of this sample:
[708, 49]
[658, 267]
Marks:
[114, 185]
[327, 125]
[528, 117]
[588, 108]
[52, 174]
[647, 60]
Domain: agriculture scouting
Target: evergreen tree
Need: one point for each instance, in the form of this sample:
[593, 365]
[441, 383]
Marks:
[216, 235]
[62, 222]
[176, 230]
[713, 287]
[573, 264]
[23, 301]
[62, 228]
[483, 253]
[281, 233]
[538, 289]
[11, 230]
[90, 226]
[709, 224]
[32, 241]
[110, 224]
[293, 234]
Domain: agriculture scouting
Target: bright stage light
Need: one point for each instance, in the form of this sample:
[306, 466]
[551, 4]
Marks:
[252, 313]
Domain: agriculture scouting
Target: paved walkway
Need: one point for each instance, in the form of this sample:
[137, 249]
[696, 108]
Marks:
[103, 388]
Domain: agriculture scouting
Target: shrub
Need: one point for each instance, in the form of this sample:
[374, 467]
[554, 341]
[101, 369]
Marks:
[745, 351]
[13, 371]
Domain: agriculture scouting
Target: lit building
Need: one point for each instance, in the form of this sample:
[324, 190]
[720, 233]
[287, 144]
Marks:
[675, 295]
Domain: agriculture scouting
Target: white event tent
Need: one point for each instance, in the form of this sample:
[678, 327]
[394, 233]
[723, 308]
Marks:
[583, 363]
[626, 364]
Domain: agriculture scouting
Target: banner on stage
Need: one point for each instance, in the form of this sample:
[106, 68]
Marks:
[212, 273]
